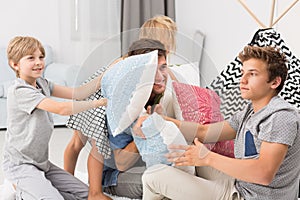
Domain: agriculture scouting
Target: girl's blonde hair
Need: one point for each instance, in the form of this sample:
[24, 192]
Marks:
[21, 46]
[160, 28]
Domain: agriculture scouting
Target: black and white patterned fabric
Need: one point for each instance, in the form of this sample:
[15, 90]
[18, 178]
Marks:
[226, 85]
[92, 123]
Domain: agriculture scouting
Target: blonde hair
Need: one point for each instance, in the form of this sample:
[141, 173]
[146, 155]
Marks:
[21, 46]
[160, 28]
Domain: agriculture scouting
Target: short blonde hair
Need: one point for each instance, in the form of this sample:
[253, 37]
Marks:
[21, 46]
[161, 28]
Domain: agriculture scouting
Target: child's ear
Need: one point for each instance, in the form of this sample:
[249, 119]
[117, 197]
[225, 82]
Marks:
[14, 65]
[276, 82]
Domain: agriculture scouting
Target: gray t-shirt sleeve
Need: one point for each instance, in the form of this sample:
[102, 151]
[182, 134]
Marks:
[28, 98]
[235, 120]
[280, 127]
[51, 85]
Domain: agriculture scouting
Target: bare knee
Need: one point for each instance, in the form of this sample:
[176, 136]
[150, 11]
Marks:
[78, 141]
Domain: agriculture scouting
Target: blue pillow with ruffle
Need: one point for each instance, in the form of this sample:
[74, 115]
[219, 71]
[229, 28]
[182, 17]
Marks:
[127, 85]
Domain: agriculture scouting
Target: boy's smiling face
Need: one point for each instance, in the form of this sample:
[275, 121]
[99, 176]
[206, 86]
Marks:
[30, 67]
[161, 76]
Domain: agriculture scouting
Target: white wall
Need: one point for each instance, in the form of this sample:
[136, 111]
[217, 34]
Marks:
[52, 22]
[226, 24]
[98, 29]
[31, 17]
[228, 27]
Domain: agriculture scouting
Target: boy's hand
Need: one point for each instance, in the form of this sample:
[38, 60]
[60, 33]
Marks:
[137, 130]
[193, 155]
[100, 102]
[158, 108]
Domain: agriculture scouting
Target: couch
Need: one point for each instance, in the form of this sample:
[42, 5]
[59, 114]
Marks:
[63, 74]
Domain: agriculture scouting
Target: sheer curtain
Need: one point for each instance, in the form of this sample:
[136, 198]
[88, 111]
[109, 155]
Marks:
[89, 32]
[93, 33]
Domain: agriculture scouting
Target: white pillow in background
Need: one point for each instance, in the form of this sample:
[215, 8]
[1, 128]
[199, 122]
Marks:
[187, 73]
[176, 107]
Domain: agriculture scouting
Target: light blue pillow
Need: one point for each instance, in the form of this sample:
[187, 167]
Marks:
[159, 135]
[127, 85]
[152, 149]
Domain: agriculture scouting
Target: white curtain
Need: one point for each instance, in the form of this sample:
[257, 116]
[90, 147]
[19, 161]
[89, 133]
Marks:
[89, 33]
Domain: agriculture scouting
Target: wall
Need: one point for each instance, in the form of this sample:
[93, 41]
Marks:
[31, 17]
[93, 40]
[228, 27]
[52, 22]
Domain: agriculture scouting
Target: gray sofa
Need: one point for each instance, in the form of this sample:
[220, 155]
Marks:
[59, 73]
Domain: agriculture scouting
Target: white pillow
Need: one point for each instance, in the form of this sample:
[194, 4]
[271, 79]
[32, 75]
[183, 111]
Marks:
[127, 86]
[187, 73]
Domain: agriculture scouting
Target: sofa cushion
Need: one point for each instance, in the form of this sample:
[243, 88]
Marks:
[4, 70]
[49, 54]
[62, 74]
[1, 91]
[6, 73]
[4, 85]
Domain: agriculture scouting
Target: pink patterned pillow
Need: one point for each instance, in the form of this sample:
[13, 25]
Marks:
[202, 105]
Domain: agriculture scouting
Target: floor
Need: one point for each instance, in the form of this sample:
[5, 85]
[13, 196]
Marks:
[58, 142]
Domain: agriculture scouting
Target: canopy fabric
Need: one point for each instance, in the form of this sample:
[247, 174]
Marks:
[226, 84]
[272, 21]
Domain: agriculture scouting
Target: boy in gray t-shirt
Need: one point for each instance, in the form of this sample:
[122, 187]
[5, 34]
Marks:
[29, 125]
[267, 154]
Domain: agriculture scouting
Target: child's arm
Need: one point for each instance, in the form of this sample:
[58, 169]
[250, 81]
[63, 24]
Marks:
[125, 158]
[69, 107]
[83, 91]
[215, 132]
[78, 93]
[261, 170]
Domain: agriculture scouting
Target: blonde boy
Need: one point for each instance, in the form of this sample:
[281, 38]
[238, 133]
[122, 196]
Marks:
[26, 161]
